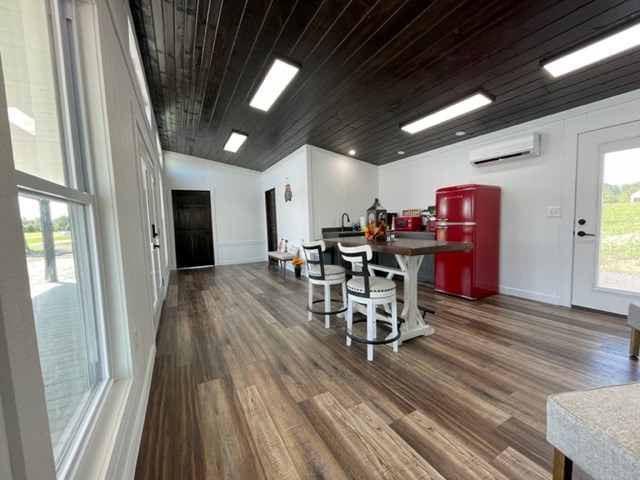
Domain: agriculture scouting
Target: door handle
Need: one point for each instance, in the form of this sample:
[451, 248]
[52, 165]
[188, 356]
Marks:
[584, 234]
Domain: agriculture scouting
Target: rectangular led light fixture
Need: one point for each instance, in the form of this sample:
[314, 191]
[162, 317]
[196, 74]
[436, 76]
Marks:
[607, 47]
[457, 109]
[276, 80]
[236, 139]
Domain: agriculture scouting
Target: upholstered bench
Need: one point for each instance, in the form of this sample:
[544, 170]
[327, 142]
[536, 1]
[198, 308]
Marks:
[633, 319]
[281, 258]
[598, 430]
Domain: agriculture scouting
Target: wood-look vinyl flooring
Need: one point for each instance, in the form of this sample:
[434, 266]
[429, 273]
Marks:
[244, 387]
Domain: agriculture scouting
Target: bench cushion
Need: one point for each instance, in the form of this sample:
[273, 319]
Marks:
[598, 430]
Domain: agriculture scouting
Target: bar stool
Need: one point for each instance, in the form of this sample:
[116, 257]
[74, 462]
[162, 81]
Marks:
[323, 275]
[369, 290]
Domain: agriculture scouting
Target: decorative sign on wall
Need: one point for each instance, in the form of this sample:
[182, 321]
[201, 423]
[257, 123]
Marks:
[287, 191]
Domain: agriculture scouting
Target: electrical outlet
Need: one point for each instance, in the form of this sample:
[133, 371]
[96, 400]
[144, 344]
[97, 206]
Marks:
[554, 211]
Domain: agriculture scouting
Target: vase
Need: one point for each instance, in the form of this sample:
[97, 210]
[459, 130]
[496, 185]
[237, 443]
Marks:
[298, 272]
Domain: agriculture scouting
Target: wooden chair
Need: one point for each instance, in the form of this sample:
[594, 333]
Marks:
[325, 276]
[371, 291]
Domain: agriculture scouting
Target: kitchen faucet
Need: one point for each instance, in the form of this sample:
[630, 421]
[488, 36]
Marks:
[342, 221]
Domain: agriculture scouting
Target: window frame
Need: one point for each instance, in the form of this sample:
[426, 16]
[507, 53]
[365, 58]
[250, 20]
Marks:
[71, 116]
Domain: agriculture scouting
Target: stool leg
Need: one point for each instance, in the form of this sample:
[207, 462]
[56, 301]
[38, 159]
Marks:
[344, 297]
[349, 320]
[327, 305]
[310, 315]
[394, 324]
[562, 466]
[371, 318]
[634, 346]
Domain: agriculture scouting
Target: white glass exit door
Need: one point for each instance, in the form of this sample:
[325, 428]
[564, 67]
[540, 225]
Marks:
[607, 223]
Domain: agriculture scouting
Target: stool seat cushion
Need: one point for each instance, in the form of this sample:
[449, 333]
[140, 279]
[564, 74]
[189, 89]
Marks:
[633, 318]
[330, 271]
[378, 286]
[598, 430]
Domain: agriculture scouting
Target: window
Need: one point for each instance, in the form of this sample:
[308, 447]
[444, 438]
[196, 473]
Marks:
[57, 213]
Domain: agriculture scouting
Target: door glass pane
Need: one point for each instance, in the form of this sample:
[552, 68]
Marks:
[619, 251]
[71, 352]
[30, 84]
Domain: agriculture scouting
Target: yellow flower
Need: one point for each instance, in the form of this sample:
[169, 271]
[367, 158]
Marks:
[297, 262]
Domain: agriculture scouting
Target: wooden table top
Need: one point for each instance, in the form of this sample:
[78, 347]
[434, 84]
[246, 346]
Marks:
[401, 246]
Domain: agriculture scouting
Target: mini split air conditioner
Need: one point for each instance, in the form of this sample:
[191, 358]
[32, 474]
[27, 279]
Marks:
[528, 145]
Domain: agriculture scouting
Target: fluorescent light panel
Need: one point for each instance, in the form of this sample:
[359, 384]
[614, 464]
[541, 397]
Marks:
[452, 111]
[236, 139]
[276, 80]
[595, 52]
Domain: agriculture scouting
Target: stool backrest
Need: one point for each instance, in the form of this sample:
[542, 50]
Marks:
[313, 256]
[357, 256]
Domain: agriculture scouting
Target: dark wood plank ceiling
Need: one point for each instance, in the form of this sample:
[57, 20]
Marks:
[367, 67]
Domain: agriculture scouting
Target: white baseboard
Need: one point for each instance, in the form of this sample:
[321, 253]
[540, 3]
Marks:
[540, 297]
[123, 462]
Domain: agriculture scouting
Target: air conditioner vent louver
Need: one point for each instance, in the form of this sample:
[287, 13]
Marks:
[528, 145]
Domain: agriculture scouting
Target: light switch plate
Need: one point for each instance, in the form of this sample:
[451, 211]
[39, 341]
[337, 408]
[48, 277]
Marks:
[554, 211]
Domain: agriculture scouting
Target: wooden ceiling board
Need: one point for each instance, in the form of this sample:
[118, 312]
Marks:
[366, 68]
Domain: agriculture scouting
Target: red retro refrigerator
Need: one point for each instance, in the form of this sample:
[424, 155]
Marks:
[468, 213]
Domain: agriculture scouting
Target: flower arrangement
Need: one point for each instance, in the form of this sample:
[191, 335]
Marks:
[297, 262]
[372, 230]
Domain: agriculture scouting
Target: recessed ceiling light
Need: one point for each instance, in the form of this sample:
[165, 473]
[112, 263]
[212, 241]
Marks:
[460, 133]
[452, 111]
[352, 152]
[235, 140]
[599, 50]
[276, 80]
[401, 152]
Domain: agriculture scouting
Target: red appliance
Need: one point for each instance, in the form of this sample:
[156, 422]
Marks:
[408, 223]
[468, 213]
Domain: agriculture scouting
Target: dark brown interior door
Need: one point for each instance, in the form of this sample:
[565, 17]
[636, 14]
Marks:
[192, 224]
[272, 231]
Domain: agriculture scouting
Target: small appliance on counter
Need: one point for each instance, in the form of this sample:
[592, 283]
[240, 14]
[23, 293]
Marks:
[408, 223]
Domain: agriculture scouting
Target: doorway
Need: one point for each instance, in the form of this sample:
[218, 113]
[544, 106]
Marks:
[272, 229]
[152, 241]
[606, 265]
[193, 228]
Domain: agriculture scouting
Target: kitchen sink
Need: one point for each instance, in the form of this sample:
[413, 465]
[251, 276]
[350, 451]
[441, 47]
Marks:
[337, 232]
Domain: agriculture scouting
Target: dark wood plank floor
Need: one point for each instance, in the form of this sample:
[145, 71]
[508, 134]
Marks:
[244, 387]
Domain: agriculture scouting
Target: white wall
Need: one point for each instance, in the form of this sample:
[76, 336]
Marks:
[292, 217]
[340, 185]
[237, 206]
[536, 251]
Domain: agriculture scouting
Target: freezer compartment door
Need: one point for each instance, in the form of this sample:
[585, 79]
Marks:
[454, 270]
[455, 206]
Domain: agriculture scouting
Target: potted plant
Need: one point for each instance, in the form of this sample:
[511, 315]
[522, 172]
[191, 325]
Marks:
[297, 263]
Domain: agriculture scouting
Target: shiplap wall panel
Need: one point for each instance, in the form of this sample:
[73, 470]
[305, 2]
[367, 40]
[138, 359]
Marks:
[292, 218]
[237, 209]
[340, 185]
[535, 250]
